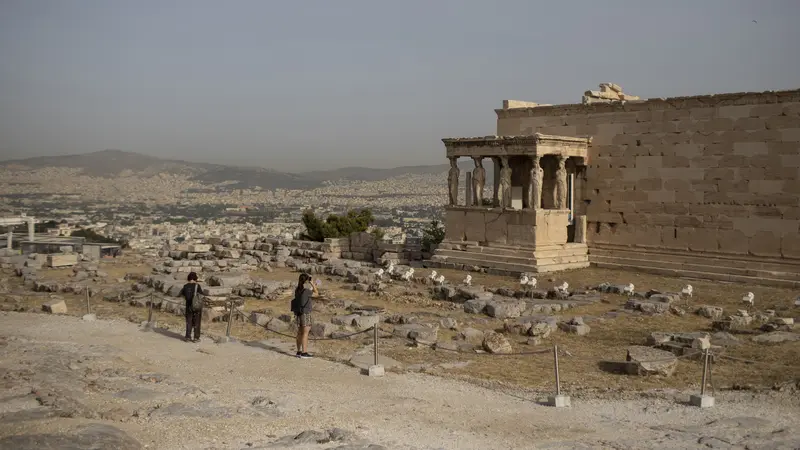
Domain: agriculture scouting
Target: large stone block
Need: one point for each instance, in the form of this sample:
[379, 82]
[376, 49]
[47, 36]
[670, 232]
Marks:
[496, 227]
[55, 307]
[551, 227]
[521, 234]
[782, 122]
[790, 245]
[719, 124]
[454, 223]
[706, 113]
[651, 361]
[790, 135]
[698, 239]
[649, 235]
[475, 226]
[669, 239]
[732, 241]
[765, 243]
[687, 150]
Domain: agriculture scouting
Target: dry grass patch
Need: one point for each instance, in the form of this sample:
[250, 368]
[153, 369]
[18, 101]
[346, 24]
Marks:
[612, 330]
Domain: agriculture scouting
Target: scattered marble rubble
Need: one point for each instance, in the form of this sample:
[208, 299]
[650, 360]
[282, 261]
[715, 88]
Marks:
[608, 93]
[224, 264]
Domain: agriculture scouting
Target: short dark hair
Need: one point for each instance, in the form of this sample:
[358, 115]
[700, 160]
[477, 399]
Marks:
[192, 276]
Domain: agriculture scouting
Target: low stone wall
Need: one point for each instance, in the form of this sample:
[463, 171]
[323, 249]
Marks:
[364, 247]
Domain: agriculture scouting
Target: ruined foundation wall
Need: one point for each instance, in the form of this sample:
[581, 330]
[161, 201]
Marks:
[712, 174]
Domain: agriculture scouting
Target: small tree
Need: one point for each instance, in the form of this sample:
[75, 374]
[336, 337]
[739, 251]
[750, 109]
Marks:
[378, 233]
[432, 236]
[314, 227]
[336, 226]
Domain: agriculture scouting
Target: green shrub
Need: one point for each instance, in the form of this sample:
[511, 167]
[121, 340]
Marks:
[432, 236]
[336, 226]
[378, 233]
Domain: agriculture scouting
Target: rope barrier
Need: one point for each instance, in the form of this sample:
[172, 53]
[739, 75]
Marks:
[750, 361]
[436, 347]
[338, 338]
[670, 359]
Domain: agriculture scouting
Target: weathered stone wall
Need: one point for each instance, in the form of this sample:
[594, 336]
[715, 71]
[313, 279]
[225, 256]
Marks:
[512, 227]
[364, 247]
[698, 174]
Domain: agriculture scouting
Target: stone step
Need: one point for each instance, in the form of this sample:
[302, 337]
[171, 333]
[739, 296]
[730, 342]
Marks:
[706, 268]
[766, 265]
[510, 271]
[516, 267]
[529, 252]
[527, 260]
[697, 274]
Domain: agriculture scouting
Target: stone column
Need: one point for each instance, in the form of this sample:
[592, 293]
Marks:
[561, 183]
[31, 229]
[10, 238]
[496, 162]
[452, 181]
[535, 178]
[478, 181]
[580, 229]
[504, 190]
[468, 190]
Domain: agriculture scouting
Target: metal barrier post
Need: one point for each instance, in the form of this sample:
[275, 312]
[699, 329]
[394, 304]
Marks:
[375, 342]
[558, 400]
[149, 324]
[703, 400]
[150, 309]
[376, 370]
[230, 319]
[227, 337]
[88, 316]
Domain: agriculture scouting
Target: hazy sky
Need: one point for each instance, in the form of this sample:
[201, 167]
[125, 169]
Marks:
[304, 85]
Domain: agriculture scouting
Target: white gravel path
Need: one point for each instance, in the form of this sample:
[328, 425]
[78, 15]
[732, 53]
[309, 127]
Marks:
[397, 411]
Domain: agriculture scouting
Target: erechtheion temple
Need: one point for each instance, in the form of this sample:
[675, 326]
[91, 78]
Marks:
[705, 186]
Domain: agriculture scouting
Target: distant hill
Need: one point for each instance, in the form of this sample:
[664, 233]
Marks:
[109, 163]
[369, 174]
[113, 163]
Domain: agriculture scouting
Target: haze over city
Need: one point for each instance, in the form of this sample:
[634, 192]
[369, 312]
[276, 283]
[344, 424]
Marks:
[312, 85]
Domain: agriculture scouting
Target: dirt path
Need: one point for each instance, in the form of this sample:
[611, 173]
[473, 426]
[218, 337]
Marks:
[167, 394]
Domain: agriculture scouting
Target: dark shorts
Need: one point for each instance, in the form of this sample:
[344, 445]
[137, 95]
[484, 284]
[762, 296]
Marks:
[304, 320]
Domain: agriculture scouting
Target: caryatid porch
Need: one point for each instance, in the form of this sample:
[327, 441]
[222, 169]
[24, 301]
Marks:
[531, 222]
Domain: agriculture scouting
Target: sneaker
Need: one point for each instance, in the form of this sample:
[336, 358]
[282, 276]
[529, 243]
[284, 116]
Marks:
[186, 339]
[306, 355]
[299, 354]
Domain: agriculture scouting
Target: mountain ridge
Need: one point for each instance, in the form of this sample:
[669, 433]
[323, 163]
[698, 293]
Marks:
[111, 163]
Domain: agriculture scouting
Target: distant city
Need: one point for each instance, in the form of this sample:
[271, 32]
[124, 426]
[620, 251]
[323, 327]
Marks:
[140, 199]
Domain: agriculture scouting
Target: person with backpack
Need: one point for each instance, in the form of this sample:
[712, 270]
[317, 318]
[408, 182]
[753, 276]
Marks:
[301, 307]
[194, 307]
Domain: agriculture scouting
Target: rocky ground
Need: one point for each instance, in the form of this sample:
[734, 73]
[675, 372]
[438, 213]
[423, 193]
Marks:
[453, 330]
[70, 383]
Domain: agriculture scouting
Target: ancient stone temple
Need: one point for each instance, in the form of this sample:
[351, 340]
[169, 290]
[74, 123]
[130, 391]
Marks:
[704, 187]
[530, 223]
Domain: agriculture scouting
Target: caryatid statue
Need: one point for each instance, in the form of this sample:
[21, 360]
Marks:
[561, 183]
[535, 179]
[478, 181]
[452, 180]
[504, 192]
